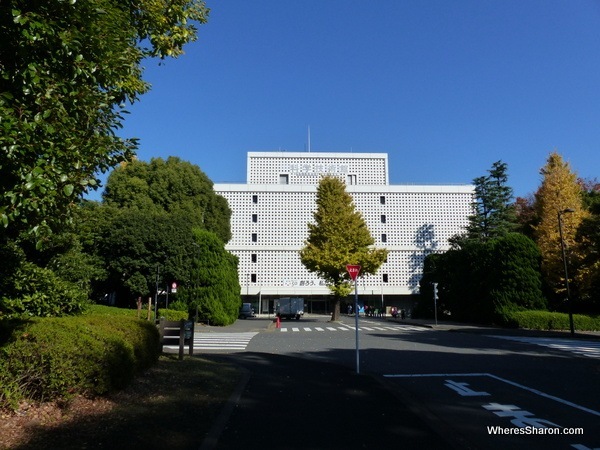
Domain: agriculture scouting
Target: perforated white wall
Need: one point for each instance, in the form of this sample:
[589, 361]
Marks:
[269, 220]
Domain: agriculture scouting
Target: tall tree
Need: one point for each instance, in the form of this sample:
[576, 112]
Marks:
[559, 192]
[494, 212]
[67, 69]
[338, 236]
[172, 186]
[135, 242]
[213, 288]
[588, 238]
[482, 279]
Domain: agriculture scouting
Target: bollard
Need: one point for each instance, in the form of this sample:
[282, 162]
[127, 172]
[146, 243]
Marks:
[277, 322]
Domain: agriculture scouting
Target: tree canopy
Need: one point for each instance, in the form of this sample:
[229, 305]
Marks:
[482, 279]
[559, 192]
[172, 186]
[494, 212]
[67, 70]
[338, 236]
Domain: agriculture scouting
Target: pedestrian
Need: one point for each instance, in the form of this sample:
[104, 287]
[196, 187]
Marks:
[349, 309]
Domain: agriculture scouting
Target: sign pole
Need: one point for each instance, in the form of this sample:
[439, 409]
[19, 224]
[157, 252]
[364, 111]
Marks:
[435, 297]
[353, 271]
[356, 326]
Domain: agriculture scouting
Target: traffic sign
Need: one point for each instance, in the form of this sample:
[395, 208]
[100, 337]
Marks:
[353, 270]
[174, 287]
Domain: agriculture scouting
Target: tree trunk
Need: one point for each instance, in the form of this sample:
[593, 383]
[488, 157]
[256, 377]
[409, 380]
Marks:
[335, 309]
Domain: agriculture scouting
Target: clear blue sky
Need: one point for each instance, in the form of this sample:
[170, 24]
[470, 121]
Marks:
[446, 88]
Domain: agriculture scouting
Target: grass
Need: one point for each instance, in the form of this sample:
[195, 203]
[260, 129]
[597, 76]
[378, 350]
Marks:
[173, 405]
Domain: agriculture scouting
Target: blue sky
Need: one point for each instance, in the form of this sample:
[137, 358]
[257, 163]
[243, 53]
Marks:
[446, 88]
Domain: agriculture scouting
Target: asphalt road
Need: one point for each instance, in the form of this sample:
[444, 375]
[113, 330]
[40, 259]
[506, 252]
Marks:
[444, 387]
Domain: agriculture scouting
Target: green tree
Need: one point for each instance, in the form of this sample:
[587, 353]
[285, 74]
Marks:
[494, 213]
[135, 242]
[172, 186]
[558, 192]
[588, 238]
[67, 70]
[482, 279]
[338, 236]
[213, 289]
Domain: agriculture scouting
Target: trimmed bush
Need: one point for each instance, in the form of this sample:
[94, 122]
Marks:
[54, 358]
[39, 292]
[172, 314]
[545, 320]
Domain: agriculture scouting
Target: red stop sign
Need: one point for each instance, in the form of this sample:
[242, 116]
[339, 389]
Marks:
[353, 270]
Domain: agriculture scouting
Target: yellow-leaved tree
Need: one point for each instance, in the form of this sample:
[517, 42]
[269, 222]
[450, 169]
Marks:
[559, 198]
[339, 236]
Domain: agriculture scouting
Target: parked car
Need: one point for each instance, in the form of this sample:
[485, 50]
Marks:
[246, 311]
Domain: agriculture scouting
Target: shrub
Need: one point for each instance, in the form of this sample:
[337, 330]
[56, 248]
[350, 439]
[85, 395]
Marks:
[545, 320]
[172, 314]
[178, 305]
[36, 291]
[53, 358]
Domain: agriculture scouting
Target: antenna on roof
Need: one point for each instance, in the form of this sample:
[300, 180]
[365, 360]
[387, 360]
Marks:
[309, 139]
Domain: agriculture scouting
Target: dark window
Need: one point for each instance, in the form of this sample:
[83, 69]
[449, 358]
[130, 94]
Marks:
[383, 218]
[253, 278]
[382, 199]
[385, 277]
[384, 237]
[254, 218]
[255, 199]
[253, 257]
[254, 237]
[284, 178]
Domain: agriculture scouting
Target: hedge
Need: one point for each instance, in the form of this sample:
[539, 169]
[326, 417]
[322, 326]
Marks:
[172, 314]
[545, 320]
[56, 358]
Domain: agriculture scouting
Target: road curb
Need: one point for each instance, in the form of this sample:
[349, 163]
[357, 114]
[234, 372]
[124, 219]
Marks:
[212, 438]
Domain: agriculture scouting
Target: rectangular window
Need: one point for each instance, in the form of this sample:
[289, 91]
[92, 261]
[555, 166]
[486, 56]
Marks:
[384, 237]
[383, 218]
[253, 278]
[382, 200]
[255, 199]
[254, 237]
[385, 277]
[284, 178]
[254, 218]
[351, 179]
[253, 257]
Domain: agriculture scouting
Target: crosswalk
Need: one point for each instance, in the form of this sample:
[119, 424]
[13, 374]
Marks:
[222, 341]
[590, 349]
[218, 342]
[342, 328]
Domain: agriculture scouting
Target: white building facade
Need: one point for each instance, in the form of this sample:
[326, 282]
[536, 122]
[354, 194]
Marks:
[271, 211]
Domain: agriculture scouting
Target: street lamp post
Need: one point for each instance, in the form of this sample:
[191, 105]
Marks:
[564, 257]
